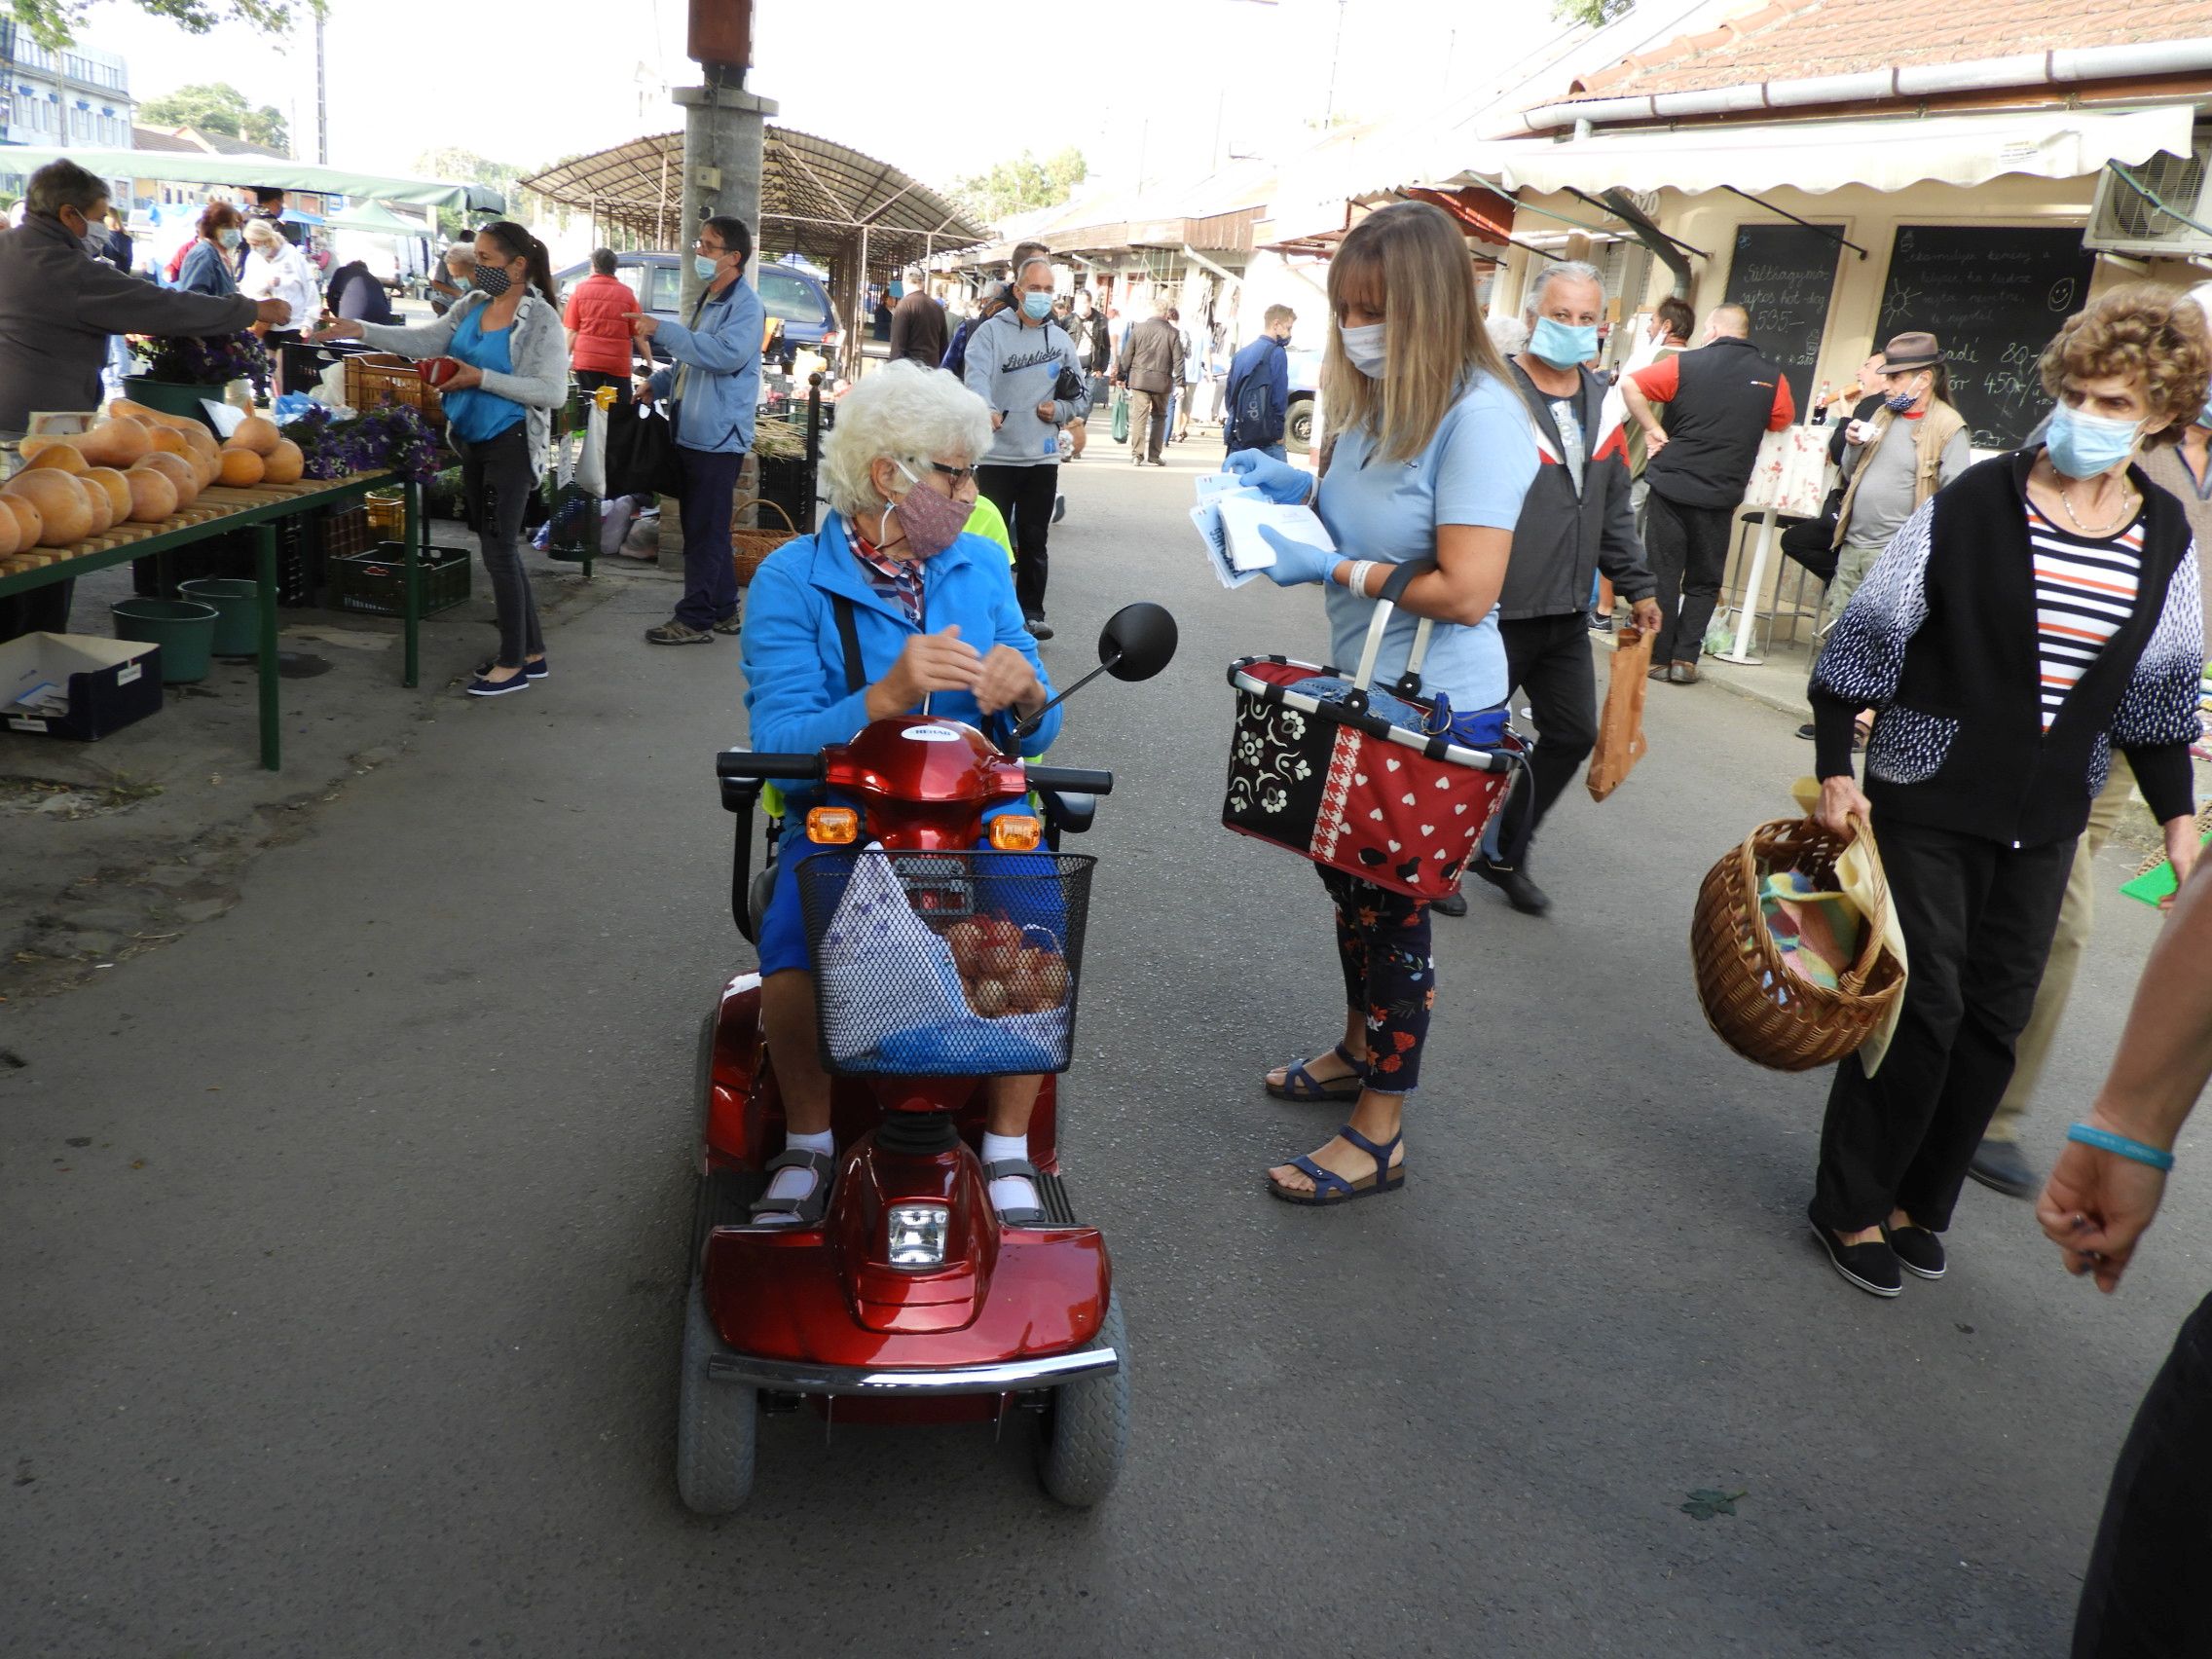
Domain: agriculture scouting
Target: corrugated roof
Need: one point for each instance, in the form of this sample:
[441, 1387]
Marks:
[1793, 39]
[815, 195]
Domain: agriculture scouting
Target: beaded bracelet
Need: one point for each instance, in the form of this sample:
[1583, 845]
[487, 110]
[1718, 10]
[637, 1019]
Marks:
[2120, 1146]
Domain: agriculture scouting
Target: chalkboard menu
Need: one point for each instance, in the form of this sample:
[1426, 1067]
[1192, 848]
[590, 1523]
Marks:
[1785, 277]
[1993, 295]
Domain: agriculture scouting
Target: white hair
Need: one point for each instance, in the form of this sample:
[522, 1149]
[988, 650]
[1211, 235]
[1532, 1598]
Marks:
[1509, 334]
[259, 231]
[908, 413]
[1564, 271]
[462, 254]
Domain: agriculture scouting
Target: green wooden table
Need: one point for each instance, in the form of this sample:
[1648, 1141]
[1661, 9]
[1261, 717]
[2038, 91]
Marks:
[260, 508]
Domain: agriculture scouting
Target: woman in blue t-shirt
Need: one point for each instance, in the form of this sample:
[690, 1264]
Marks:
[1432, 451]
[514, 370]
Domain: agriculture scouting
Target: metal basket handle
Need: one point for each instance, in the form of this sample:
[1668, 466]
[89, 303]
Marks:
[1386, 604]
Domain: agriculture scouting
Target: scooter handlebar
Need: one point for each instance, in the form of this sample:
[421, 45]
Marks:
[1073, 778]
[760, 764]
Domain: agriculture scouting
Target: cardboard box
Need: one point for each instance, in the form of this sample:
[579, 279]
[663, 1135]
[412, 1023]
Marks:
[79, 685]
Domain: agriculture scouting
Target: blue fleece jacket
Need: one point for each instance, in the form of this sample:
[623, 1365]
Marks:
[794, 664]
[719, 357]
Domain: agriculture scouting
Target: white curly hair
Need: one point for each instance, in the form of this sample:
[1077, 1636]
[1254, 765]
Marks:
[906, 413]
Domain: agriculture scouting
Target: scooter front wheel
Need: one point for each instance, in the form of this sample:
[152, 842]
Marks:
[716, 1423]
[1087, 1427]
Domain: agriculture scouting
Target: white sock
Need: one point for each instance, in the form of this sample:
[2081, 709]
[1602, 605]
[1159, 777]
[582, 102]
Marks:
[1009, 1192]
[796, 1183]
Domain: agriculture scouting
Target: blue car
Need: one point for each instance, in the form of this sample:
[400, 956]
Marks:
[787, 292]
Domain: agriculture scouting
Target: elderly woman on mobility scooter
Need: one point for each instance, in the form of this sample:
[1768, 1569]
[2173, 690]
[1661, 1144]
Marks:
[1432, 451]
[933, 612]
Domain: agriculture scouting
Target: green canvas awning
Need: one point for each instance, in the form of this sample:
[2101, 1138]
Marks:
[191, 167]
[375, 218]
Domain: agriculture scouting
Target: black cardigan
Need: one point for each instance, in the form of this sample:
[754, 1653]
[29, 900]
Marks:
[1941, 639]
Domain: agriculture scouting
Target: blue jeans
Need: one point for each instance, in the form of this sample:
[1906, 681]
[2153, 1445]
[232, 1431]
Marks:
[710, 576]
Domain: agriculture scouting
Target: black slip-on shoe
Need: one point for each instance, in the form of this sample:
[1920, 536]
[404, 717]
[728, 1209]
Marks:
[1808, 731]
[1040, 630]
[1453, 904]
[1520, 892]
[1872, 1267]
[2003, 1167]
[1917, 1250]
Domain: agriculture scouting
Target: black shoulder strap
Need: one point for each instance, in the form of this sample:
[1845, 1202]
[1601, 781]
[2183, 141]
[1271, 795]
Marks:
[849, 636]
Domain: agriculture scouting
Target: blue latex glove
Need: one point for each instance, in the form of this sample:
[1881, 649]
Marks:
[1296, 561]
[1277, 480]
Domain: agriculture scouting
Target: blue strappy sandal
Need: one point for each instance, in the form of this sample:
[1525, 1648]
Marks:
[1330, 1187]
[1299, 1084]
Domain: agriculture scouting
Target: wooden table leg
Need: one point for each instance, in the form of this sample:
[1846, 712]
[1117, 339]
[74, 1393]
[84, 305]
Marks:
[411, 585]
[265, 581]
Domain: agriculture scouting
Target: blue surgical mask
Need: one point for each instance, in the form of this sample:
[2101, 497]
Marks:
[1363, 348]
[1563, 345]
[2082, 445]
[705, 266]
[1036, 306]
[232, 239]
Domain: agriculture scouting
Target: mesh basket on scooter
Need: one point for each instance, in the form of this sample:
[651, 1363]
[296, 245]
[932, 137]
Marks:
[945, 964]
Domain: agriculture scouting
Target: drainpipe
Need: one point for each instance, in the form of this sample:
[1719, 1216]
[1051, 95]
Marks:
[2054, 68]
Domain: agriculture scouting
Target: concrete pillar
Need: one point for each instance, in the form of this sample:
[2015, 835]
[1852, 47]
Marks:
[723, 138]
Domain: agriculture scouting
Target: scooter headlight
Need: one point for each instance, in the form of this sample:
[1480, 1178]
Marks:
[916, 1235]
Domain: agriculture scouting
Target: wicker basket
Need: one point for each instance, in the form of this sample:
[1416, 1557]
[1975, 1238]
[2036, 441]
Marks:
[749, 547]
[1758, 1007]
[376, 377]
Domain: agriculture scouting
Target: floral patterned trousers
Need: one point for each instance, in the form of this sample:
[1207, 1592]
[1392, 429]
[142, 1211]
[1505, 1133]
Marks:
[1383, 941]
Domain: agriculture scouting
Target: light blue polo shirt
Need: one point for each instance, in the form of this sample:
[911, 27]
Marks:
[1475, 470]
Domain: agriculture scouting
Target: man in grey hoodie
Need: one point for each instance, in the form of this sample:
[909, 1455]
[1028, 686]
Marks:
[1024, 366]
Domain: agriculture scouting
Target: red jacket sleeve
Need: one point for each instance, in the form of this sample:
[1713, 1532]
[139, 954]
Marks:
[1660, 381]
[1784, 405]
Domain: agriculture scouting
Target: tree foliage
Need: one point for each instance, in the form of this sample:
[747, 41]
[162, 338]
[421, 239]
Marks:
[217, 106]
[53, 23]
[1022, 185]
[1595, 13]
[466, 166]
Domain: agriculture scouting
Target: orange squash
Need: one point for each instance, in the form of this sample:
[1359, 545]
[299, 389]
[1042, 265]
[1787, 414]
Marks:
[153, 495]
[179, 471]
[240, 466]
[63, 507]
[257, 433]
[116, 443]
[116, 487]
[57, 453]
[28, 525]
[283, 464]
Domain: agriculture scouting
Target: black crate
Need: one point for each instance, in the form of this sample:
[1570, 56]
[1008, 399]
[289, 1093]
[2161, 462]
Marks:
[789, 482]
[300, 559]
[372, 581]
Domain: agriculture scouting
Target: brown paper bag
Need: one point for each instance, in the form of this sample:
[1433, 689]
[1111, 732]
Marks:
[1620, 723]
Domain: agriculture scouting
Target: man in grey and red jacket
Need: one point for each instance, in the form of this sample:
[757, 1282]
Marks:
[1575, 522]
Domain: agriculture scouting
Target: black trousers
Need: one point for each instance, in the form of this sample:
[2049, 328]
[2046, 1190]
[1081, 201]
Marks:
[2143, 1599]
[498, 483]
[1025, 494]
[591, 380]
[1688, 551]
[1548, 657]
[1978, 919]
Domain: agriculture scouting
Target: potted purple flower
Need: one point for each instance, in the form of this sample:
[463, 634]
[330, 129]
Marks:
[178, 374]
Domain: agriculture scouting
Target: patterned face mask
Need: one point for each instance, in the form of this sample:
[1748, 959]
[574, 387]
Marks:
[932, 522]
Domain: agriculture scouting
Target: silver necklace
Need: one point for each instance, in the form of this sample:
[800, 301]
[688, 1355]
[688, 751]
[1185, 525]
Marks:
[2128, 511]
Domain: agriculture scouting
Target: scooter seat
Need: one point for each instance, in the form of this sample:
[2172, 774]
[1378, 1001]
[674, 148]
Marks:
[1069, 811]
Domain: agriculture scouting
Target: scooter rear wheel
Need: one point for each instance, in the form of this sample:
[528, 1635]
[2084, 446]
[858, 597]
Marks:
[716, 1423]
[1087, 1428]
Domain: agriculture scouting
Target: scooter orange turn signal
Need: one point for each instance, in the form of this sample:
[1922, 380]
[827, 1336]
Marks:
[832, 826]
[1015, 833]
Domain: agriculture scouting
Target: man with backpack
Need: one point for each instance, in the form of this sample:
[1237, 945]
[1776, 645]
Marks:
[1259, 388]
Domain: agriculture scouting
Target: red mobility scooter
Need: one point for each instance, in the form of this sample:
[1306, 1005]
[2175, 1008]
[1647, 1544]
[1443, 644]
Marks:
[912, 1299]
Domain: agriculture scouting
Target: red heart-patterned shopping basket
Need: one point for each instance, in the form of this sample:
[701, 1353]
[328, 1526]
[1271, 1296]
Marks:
[1343, 786]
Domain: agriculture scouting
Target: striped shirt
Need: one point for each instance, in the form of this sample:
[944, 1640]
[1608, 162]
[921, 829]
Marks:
[2084, 590]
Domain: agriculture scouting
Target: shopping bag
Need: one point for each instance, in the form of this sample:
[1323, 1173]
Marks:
[1121, 417]
[640, 453]
[1620, 725]
[591, 464]
[1791, 475]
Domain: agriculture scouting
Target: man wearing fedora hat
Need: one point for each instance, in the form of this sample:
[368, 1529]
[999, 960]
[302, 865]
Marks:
[1914, 444]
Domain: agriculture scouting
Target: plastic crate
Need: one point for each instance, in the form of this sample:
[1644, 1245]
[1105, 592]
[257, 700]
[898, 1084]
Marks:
[372, 581]
[374, 379]
[345, 531]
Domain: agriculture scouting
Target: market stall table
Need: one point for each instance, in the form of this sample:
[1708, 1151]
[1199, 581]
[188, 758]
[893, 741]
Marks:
[218, 510]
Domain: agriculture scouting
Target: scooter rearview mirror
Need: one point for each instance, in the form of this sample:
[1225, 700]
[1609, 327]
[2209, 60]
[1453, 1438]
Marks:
[1137, 642]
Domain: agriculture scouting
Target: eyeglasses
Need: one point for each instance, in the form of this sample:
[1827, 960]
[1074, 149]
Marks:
[958, 474]
[703, 246]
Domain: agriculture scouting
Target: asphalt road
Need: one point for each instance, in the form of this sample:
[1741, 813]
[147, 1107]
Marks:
[343, 1244]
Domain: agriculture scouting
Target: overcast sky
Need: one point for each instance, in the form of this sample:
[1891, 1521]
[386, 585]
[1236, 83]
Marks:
[1165, 85]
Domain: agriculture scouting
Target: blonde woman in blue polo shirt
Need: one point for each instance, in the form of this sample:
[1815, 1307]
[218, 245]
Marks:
[1432, 451]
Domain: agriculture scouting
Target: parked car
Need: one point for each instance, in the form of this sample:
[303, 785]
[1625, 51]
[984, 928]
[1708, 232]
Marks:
[1305, 391]
[793, 295]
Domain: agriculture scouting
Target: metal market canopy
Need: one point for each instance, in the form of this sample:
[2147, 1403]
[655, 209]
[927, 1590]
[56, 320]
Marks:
[192, 167]
[817, 197]
[1886, 152]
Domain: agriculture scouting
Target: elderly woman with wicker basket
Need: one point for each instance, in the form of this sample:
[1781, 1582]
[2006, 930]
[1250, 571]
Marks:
[2039, 611]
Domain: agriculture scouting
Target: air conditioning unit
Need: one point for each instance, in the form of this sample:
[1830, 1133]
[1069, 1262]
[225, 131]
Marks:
[2124, 220]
